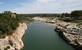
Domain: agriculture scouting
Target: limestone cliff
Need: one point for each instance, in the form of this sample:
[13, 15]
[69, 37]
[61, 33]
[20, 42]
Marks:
[14, 41]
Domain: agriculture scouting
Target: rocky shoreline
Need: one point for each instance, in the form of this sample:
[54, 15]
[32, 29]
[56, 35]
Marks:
[14, 41]
[71, 33]
[61, 34]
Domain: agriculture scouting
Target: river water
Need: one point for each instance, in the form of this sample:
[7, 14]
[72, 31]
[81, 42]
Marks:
[41, 36]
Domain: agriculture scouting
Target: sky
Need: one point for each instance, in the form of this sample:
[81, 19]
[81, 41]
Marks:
[40, 6]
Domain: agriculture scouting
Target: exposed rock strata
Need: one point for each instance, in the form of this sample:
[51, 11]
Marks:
[14, 41]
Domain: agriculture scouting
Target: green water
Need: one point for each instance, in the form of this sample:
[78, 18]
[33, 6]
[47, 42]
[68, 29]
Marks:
[41, 36]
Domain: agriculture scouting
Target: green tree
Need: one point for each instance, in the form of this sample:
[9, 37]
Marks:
[76, 13]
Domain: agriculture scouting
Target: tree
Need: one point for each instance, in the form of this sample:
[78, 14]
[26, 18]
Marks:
[7, 23]
[76, 13]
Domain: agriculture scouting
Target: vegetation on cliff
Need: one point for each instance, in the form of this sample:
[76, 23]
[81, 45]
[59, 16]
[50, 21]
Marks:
[74, 16]
[9, 22]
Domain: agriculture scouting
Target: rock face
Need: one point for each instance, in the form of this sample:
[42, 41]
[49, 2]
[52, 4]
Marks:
[14, 41]
[71, 33]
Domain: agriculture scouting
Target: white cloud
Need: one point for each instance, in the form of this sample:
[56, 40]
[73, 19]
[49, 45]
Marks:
[45, 1]
[49, 6]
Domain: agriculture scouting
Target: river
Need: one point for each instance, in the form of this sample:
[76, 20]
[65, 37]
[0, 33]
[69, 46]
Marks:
[41, 36]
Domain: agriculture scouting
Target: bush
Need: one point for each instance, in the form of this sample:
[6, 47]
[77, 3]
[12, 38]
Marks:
[7, 24]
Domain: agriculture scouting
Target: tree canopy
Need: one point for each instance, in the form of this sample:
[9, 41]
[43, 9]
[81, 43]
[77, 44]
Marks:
[7, 23]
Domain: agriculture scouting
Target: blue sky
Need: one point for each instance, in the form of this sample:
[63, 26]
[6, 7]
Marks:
[40, 6]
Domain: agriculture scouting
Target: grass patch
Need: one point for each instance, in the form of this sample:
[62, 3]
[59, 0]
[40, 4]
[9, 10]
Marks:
[76, 21]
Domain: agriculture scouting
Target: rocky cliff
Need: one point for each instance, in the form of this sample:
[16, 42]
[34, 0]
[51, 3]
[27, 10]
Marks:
[14, 41]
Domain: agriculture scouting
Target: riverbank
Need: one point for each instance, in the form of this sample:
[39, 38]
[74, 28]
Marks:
[66, 39]
[14, 41]
[71, 32]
